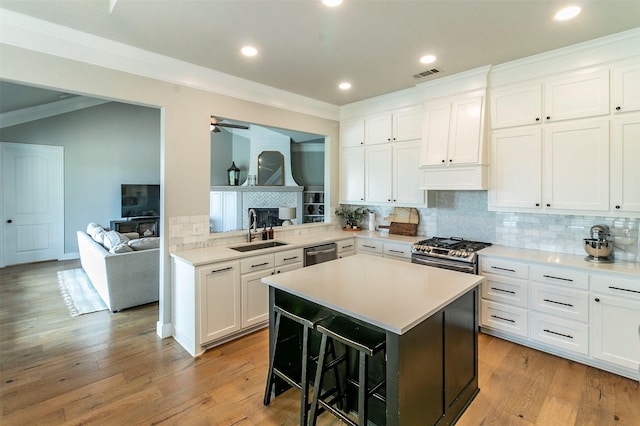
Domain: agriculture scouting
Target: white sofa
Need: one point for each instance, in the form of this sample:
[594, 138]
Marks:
[123, 280]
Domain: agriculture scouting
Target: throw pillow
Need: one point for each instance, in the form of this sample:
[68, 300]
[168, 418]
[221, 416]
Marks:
[121, 248]
[98, 235]
[145, 243]
[112, 239]
[91, 228]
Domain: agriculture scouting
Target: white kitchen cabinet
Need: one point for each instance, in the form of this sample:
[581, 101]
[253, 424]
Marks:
[218, 301]
[346, 247]
[560, 333]
[625, 165]
[516, 105]
[223, 211]
[507, 290]
[352, 133]
[392, 174]
[576, 96]
[453, 132]
[516, 168]
[505, 318]
[576, 164]
[615, 321]
[626, 88]
[369, 246]
[396, 126]
[398, 251]
[352, 175]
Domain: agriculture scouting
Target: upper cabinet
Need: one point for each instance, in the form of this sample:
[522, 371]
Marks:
[625, 172]
[626, 88]
[352, 133]
[565, 97]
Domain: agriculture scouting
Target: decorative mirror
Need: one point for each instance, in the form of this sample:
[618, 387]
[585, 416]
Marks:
[271, 168]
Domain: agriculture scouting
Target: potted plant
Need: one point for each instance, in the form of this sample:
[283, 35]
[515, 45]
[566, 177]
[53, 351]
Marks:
[352, 217]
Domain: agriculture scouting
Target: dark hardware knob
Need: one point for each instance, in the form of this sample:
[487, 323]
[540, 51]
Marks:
[548, 118]
[9, 221]
[537, 118]
[388, 199]
[618, 108]
[450, 160]
[537, 204]
[394, 139]
[548, 205]
[617, 207]
[388, 139]
[597, 299]
[443, 161]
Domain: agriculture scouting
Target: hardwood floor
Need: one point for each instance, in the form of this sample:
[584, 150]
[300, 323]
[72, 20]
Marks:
[112, 369]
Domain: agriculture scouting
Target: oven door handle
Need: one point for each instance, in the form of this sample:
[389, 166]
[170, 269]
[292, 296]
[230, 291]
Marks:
[445, 264]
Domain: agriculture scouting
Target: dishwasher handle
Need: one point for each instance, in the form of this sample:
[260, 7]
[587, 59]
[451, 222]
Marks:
[317, 252]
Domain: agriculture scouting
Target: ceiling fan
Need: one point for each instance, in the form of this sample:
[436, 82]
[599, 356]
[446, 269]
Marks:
[217, 122]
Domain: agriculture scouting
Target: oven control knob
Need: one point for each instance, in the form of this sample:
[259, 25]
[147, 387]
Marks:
[426, 249]
[455, 253]
[464, 254]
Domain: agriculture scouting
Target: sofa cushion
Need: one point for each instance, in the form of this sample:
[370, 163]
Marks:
[112, 239]
[122, 247]
[145, 243]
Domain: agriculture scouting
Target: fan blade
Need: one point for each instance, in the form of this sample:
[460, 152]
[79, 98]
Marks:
[234, 126]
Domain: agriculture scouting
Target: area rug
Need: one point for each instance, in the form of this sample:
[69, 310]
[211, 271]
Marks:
[78, 293]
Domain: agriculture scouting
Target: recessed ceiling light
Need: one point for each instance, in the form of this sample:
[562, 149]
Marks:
[567, 13]
[344, 85]
[332, 3]
[249, 51]
[428, 59]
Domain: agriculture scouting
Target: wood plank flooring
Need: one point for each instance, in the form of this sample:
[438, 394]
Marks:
[112, 369]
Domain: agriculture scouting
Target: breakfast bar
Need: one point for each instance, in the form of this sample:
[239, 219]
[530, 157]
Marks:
[430, 320]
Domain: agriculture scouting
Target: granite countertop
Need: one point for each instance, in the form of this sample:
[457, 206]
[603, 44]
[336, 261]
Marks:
[561, 259]
[392, 295]
[203, 256]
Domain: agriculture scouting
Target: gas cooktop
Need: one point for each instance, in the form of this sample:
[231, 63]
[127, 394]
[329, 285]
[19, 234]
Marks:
[448, 247]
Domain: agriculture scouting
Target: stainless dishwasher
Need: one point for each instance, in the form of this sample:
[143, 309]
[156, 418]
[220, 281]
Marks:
[319, 254]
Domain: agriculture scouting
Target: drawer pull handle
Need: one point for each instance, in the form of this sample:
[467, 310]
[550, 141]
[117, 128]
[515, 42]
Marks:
[396, 251]
[558, 303]
[346, 247]
[228, 268]
[290, 258]
[503, 319]
[557, 334]
[558, 278]
[502, 290]
[260, 264]
[503, 269]
[624, 289]
[371, 247]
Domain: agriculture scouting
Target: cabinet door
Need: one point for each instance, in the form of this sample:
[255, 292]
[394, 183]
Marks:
[464, 136]
[378, 185]
[378, 129]
[625, 161]
[516, 168]
[626, 88]
[577, 96]
[352, 133]
[407, 124]
[516, 106]
[406, 175]
[435, 135]
[577, 166]
[255, 298]
[615, 330]
[219, 301]
[352, 175]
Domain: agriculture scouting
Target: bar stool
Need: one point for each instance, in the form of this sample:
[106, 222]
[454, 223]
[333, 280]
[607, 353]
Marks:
[306, 317]
[367, 342]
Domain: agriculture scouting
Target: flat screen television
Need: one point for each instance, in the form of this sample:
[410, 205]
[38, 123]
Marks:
[140, 200]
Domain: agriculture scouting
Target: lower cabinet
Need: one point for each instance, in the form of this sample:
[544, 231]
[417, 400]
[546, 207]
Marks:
[393, 250]
[346, 247]
[219, 295]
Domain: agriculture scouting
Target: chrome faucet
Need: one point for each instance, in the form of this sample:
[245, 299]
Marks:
[253, 223]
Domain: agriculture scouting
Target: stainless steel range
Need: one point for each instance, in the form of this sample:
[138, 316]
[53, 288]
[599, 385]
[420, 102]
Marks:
[448, 253]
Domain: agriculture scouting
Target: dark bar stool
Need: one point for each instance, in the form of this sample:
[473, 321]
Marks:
[306, 317]
[367, 342]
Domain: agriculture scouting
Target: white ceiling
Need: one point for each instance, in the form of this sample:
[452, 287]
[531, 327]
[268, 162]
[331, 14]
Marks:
[307, 48]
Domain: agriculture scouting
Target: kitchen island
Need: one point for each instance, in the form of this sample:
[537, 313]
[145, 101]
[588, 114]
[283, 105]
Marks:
[429, 316]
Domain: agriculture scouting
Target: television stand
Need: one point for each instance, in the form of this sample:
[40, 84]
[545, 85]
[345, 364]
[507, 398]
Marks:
[147, 226]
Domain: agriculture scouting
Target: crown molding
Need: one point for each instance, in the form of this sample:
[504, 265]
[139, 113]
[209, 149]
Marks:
[30, 33]
[51, 109]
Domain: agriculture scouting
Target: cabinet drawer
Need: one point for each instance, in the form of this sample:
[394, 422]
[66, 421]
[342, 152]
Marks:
[369, 246]
[504, 317]
[512, 291]
[564, 334]
[614, 286]
[288, 257]
[504, 267]
[397, 250]
[287, 268]
[561, 301]
[257, 263]
[346, 245]
[561, 276]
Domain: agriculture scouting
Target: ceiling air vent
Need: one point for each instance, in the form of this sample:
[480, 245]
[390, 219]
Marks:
[427, 72]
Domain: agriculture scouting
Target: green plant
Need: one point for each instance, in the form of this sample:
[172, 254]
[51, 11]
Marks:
[352, 217]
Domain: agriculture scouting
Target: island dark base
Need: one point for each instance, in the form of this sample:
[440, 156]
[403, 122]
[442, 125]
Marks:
[431, 370]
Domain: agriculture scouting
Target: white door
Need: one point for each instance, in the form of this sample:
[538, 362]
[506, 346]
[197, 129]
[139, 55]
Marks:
[466, 125]
[435, 134]
[378, 185]
[406, 175]
[33, 200]
[352, 175]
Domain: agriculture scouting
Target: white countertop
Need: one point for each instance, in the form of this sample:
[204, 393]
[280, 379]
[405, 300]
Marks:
[222, 253]
[561, 259]
[390, 294]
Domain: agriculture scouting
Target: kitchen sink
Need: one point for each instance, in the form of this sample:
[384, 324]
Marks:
[258, 246]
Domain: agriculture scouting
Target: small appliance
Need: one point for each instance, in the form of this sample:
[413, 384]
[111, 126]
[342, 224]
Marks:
[599, 246]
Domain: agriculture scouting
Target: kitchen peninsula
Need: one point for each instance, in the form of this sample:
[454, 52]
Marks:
[429, 316]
